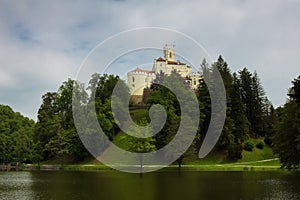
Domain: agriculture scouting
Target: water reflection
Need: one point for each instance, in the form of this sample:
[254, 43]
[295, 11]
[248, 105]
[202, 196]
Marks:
[157, 185]
[16, 185]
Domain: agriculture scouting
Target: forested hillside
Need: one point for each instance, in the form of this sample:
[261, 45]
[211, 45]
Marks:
[250, 117]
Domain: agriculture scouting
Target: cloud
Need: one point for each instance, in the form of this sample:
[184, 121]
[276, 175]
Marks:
[44, 42]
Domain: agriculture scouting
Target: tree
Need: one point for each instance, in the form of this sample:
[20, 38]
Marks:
[16, 133]
[163, 96]
[141, 145]
[287, 138]
[294, 92]
[247, 93]
[55, 130]
[70, 143]
[160, 94]
[101, 88]
[205, 104]
[257, 121]
[271, 120]
[181, 143]
[48, 123]
[253, 95]
[226, 138]
[237, 114]
[286, 141]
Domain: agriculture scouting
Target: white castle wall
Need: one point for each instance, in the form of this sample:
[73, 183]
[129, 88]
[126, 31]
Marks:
[196, 78]
[137, 81]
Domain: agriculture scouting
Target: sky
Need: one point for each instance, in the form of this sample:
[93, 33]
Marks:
[42, 43]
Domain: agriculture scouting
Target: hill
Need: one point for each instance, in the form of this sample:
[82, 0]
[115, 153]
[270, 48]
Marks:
[258, 156]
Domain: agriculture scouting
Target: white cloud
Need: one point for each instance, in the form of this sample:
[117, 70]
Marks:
[6, 80]
[43, 42]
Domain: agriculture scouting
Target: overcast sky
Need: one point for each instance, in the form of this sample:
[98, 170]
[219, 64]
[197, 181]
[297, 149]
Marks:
[42, 43]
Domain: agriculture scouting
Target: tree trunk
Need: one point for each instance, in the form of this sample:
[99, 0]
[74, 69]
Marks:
[141, 164]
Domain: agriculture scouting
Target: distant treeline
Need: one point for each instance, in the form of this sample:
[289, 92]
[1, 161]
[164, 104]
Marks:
[249, 114]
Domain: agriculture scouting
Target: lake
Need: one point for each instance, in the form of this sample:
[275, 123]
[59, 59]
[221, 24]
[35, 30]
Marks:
[157, 185]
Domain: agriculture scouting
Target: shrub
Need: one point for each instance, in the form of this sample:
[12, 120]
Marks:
[249, 146]
[260, 145]
[268, 141]
[235, 151]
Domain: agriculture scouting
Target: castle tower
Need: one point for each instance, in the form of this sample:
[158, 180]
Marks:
[169, 52]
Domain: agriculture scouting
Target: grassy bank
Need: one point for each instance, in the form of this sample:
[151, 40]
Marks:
[215, 161]
[225, 167]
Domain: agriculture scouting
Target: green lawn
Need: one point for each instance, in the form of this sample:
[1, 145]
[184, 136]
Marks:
[257, 154]
[138, 114]
[122, 140]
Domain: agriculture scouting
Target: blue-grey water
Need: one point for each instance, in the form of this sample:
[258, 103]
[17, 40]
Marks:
[158, 185]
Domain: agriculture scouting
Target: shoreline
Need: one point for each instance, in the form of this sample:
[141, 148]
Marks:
[187, 167]
[272, 164]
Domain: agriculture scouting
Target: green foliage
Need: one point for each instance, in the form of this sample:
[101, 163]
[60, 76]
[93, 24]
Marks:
[138, 114]
[237, 112]
[235, 151]
[286, 141]
[249, 112]
[287, 138]
[141, 145]
[165, 97]
[268, 141]
[294, 92]
[101, 88]
[55, 131]
[263, 154]
[16, 133]
[256, 104]
[260, 145]
[204, 104]
[249, 146]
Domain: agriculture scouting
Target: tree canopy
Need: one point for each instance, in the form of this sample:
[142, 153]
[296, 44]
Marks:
[249, 114]
[287, 138]
[16, 137]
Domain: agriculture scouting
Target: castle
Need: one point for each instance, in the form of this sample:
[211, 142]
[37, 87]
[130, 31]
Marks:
[139, 79]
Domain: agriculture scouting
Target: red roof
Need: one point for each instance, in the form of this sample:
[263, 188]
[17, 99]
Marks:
[176, 63]
[187, 78]
[142, 70]
[160, 59]
[172, 62]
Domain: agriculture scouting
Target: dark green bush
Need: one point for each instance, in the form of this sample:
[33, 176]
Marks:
[249, 146]
[260, 145]
[235, 151]
[268, 141]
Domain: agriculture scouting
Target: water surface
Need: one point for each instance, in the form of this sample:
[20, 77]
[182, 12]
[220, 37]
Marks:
[158, 185]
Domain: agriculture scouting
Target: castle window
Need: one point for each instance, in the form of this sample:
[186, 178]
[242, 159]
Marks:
[133, 80]
[133, 85]
[170, 55]
[195, 82]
